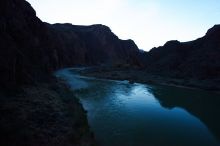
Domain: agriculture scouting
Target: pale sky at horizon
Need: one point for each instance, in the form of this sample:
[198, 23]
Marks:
[150, 23]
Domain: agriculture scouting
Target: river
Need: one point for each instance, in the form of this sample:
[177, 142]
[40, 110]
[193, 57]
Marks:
[123, 114]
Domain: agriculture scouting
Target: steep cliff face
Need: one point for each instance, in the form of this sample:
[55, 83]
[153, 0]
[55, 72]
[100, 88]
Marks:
[197, 59]
[31, 49]
[93, 45]
[23, 44]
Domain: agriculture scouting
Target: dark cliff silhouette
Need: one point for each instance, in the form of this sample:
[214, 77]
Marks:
[47, 114]
[92, 45]
[198, 59]
[31, 49]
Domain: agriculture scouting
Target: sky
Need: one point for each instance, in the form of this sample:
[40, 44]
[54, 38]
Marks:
[150, 23]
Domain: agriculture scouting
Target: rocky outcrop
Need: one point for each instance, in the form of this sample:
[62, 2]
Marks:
[23, 42]
[198, 59]
[31, 49]
[47, 114]
[93, 45]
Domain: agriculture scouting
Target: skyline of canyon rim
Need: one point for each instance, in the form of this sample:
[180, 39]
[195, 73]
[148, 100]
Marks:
[150, 23]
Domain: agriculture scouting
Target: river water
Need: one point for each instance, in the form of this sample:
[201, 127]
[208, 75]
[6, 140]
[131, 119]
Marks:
[123, 114]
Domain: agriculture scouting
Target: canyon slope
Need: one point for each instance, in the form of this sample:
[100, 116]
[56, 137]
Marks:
[193, 64]
[32, 49]
[198, 59]
[35, 108]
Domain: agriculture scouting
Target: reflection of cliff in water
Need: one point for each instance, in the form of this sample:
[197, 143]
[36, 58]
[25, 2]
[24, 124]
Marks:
[202, 104]
[101, 89]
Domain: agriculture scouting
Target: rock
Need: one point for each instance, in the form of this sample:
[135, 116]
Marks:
[94, 45]
[31, 49]
[198, 59]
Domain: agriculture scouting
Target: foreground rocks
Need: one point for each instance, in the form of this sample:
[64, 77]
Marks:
[43, 115]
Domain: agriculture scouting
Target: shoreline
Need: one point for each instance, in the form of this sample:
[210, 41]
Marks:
[138, 76]
[43, 114]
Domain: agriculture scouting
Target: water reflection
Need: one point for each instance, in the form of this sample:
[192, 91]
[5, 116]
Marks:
[202, 104]
[122, 114]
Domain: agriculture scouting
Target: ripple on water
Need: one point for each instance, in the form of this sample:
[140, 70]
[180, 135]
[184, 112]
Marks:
[123, 114]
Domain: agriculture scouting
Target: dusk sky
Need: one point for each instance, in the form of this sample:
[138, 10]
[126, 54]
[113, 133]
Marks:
[150, 23]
